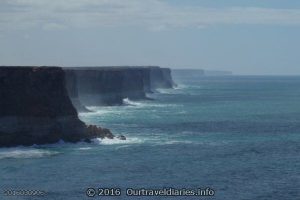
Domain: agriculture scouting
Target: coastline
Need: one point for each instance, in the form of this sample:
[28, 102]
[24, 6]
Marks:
[40, 105]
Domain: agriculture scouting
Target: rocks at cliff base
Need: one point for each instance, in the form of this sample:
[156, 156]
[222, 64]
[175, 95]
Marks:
[35, 108]
[98, 132]
[121, 137]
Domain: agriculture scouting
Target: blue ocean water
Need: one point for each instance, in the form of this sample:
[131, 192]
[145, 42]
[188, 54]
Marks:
[239, 135]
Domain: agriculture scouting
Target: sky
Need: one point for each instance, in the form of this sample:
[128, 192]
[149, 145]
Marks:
[246, 37]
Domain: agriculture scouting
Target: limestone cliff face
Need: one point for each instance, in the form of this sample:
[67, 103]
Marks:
[146, 79]
[161, 78]
[133, 83]
[110, 85]
[35, 108]
[72, 88]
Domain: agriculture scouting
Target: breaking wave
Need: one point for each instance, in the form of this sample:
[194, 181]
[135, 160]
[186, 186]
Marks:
[128, 102]
[25, 153]
[85, 148]
[107, 141]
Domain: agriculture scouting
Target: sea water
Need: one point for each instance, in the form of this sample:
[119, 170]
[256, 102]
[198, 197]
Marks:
[237, 135]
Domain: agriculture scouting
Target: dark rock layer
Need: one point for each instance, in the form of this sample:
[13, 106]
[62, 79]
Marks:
[35, 108]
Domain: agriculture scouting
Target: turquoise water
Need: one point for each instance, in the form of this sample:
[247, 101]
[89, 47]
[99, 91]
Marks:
[238, 135]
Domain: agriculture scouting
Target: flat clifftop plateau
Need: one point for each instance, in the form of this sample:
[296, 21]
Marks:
[110, 85]
[35, 108]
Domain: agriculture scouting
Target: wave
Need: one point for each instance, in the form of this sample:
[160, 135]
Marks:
[85, 148]
[165, 91]
[98, 110]
[171, 142]
[25, 153]
[180, 87]
[114, 141]
[128, 102]
[172, 91]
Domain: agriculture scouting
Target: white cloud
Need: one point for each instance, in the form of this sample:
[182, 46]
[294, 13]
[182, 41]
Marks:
[151, 14]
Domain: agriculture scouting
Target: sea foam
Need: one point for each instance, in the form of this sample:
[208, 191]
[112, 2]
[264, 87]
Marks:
[114, 141]
[25, 153]
[129, 102]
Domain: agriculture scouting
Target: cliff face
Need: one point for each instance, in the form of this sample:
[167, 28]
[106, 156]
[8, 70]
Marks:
[160, 78]
[133, 83]
[72, 88]
[35, 108]
[146, 79]
[97, 87]
[110, 85]
[34, 92]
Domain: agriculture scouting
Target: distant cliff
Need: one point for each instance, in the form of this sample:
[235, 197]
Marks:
[110, 85]
[188, 73]
[35, 108]
[199, 72]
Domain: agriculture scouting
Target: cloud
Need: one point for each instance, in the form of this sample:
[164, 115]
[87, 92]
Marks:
[151, 14]
[53, 27]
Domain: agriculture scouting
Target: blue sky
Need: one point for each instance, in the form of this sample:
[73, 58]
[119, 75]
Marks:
[246, 37]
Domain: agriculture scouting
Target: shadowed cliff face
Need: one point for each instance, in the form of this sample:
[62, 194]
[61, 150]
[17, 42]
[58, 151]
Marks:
[34, 92]
[72, 88]
[160, 78]
[35, 108]
[110, 85]
[101, 86]
[133, 84]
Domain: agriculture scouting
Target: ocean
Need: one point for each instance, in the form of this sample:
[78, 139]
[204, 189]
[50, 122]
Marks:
[237, 136]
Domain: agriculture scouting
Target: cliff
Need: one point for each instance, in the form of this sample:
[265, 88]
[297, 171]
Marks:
[188, 73]
[35, 108]
[160, 78]
[72, 88]
[110, 85]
